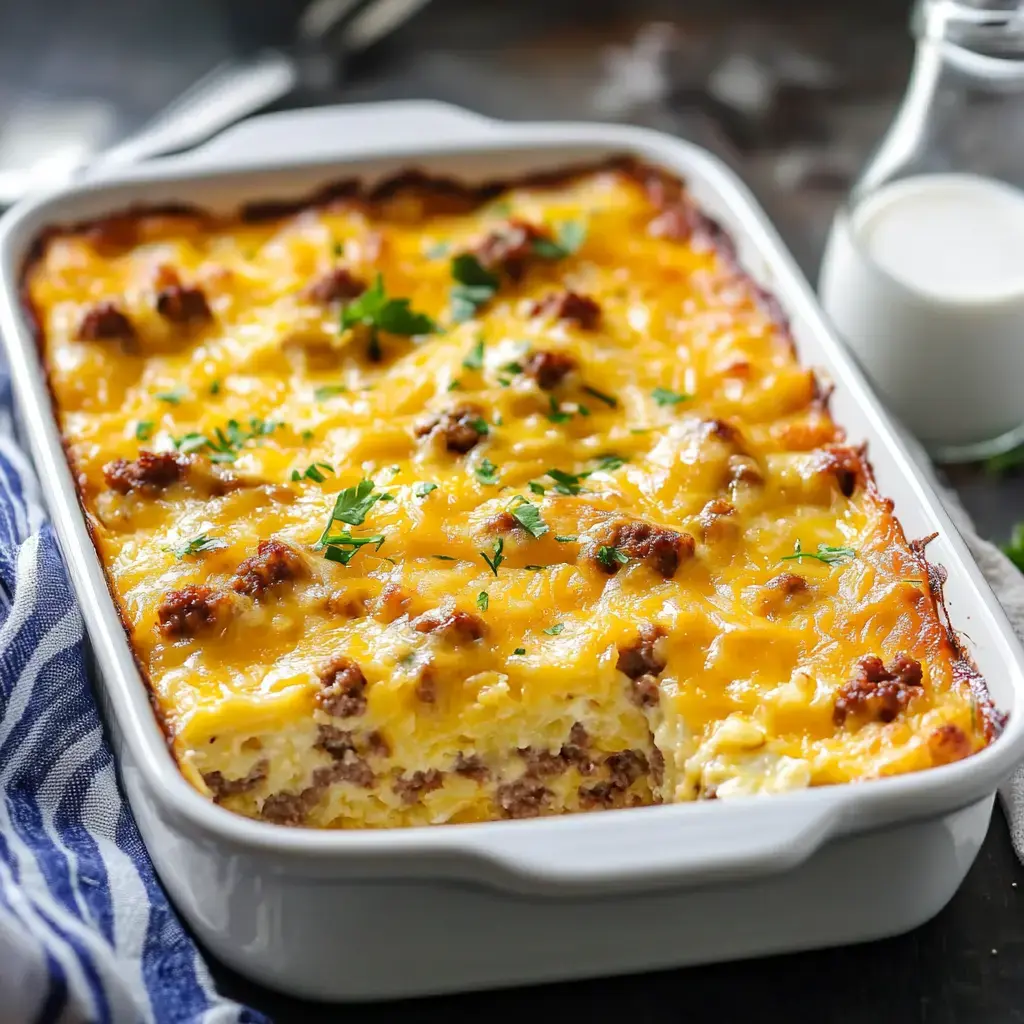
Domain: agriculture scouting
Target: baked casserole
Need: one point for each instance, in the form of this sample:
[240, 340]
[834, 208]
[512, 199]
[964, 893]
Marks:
[432, 504]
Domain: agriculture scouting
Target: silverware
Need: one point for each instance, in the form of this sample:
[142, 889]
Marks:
[329, 32]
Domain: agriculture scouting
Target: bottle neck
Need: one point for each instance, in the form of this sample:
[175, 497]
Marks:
[986, 30]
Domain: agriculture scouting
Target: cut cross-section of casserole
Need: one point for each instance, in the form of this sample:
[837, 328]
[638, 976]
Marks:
[428, 504]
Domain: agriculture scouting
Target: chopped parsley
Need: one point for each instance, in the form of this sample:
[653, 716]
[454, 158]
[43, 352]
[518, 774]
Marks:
[455, 385]
[422, 490]
[569, 236]
[343, 547]
[528, 516]
[482, 600]
[496, 557]
[444, 558]
[475, 358]
[474, 286]
[173, 397]
[226, 443]
[535, 568]
[479, 425]
[555, 629]
[519, 650]
[307, 435]
[197, 545]
[663, 396]
[1014, 549]
[555, 413]
[566, 483]
[511, 368]
[144, 430]
[609, 400]
[826, 553]
[536, 487]
[487, 473]
[313, 471]
[351, 507]
[611, 557]
[329, 391]
[215, 387]
[566, 538]
[610, 462]
[373, 309]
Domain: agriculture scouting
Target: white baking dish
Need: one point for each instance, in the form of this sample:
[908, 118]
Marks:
[381, 914]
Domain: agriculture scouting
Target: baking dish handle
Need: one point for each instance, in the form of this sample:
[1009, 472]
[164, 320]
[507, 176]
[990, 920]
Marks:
[655, 847]
[360, 128]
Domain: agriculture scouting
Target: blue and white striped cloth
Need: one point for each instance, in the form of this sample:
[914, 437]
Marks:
[86, 932]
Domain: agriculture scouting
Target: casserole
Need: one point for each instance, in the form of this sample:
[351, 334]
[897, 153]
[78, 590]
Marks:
[547, 898]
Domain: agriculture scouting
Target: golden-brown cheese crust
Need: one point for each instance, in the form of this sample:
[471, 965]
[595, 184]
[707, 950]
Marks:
[620, 552]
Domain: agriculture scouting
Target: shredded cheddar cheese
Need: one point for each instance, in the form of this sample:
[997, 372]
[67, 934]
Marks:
[435, 505]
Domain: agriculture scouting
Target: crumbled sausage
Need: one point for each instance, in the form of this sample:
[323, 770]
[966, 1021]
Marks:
[334, 741]
[880, 693]
[599, 794]
[742, 469]
[337, 285]
[350, 767]
[461, 428]
[574, 750]
[662, 549]
[782, 591]
[290, 808]
[183, 305]
[412, 787]
[511, 247]
[105, 322]
[949, 743]
[523, 798]
[377, 744]
[274, 562]
[580, 309]
[548, 369]
[471, 767]
[625, 767]
[541, 763]
[391, 603]
[715, 521]
[845, 464]
[192, 609]
[452, 623]
[150, 472]
[343, 688]
[222, 787]
[426, 685]
[644, 691]
[643, 657]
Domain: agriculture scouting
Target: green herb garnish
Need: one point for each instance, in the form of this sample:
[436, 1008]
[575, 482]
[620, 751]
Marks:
[482, 600]
[609, 400]
[474, 286]
[444, 558]
[555, 413]
[610, 462]
[173, 397]
[610, 557]
[144, 430]
[422, 490]
[555, 629]
[496, 557]
[215, 387]
[342, 547]
[487, 473]
[329, 391]
[567, 483]
[354, 503]
[528, 516]
[455, 385]
[569, 236]
[536, 487]
[519, 650]
[475, 358]
[826, 553]
[197, 545]
[227, 442]
[665, 397]
[374, 310]
[567, 538]
[313, 472]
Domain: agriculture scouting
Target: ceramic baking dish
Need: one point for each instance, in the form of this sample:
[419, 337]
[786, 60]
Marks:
[348, 915]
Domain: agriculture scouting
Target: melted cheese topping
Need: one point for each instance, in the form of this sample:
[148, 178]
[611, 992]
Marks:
[685, 379]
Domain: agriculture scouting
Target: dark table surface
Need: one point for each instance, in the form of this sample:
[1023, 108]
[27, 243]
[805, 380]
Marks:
[793, 94]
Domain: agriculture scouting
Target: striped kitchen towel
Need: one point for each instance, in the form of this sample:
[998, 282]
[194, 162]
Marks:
[86, 932]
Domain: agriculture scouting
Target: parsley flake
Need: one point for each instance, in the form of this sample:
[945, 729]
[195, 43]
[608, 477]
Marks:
[455, 385]
[474, 286]
[482, 600]
[144, 430]
[610, 462]
[610, 400]
[528, 516]
[566, 538]
[479, 425]
[555, 413]
[329, 391]
[826, 553]
[172, 397]
[536, 487]
[227, 442]
[475, 358]
[569, 236]
[487, 473]
[197, 545]
[496, 557]
[611, 557]
[519, 650]
[566, 483]
[375, 310]
[663, 396]
[422, 490]
[313, 472]
[444, 558]
[215, 387]
[555, 629]
[353, 504]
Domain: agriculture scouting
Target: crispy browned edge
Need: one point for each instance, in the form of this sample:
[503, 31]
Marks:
[664, 190]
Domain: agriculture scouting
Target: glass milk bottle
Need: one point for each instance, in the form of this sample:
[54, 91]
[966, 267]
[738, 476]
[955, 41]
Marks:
[923, 274]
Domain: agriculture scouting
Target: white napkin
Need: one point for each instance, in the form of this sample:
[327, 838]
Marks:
[1007, 583]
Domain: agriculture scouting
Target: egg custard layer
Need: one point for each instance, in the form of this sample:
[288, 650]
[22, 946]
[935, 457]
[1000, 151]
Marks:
[428, 504]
